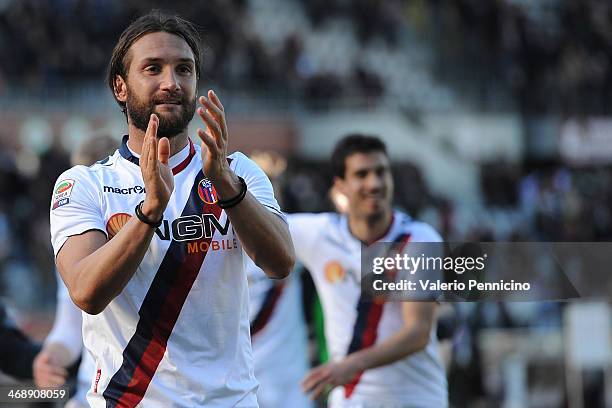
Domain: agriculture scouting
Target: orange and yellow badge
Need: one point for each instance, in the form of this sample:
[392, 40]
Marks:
[115, 223]
[334, 272]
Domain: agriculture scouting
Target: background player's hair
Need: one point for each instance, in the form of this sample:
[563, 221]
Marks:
[354, 143]
[152, 22]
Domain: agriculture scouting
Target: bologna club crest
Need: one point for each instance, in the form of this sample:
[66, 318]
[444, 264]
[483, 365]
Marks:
[207, 192]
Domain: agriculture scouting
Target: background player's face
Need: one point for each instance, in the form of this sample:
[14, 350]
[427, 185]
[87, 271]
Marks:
[367, 184]
[161, 79]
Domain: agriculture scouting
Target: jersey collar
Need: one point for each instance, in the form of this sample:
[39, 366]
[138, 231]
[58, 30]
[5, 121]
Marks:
[188, 153]
[389, 232]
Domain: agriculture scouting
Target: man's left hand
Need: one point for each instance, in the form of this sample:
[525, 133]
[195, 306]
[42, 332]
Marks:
[214, 153]
[330, 374]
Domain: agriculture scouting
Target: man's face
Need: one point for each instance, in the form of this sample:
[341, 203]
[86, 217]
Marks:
[367, 184]
[161, 79]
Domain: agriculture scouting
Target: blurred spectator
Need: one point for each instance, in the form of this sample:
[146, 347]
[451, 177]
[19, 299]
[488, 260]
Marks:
[93, 149]
[18, 351]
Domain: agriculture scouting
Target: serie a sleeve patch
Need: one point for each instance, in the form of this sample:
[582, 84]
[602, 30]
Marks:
[62, 192]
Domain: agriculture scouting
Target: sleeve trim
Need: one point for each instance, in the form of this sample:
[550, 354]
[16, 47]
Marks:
[77, 230]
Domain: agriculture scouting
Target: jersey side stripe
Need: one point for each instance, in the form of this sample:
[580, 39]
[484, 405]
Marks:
[158, 314]
[365, 330]
[267, 308]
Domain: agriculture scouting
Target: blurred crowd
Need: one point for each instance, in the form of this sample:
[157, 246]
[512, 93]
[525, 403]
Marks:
[551, 56]
[55, 44]
[548, 56]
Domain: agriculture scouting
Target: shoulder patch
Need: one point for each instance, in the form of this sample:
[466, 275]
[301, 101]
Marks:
[61, 193]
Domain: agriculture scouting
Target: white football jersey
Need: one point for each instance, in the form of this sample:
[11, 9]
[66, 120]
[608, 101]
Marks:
[279, 338]
[332, 254]
[178, 334]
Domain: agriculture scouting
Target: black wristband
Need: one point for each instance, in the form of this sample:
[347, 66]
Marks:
[232, 202]
[144, 219]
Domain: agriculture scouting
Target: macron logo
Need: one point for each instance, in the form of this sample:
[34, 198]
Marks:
[131, 190]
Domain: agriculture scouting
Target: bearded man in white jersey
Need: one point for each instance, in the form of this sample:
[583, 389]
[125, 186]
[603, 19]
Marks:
[150, 241]
[382, 354]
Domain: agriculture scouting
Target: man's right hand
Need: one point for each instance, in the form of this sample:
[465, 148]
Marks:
[157, 175]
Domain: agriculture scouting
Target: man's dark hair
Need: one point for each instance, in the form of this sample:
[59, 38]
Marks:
[354, 143]
[152, 22]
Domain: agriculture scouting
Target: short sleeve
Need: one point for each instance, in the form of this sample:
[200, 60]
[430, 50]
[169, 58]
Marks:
[258, 183]
[425, 233]
[304, 229]
[75, 206]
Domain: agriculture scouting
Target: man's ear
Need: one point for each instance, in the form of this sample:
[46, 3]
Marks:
[338, 195]
[120, 89]
[339, 185]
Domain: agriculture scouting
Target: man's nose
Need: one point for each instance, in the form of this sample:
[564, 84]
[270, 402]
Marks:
[374, 181]
[170, 81]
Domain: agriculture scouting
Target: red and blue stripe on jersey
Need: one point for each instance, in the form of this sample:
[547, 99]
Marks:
[369, 313]
[158, 313]
[267, 307]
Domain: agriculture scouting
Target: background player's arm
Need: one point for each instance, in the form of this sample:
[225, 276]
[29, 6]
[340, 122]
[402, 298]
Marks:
[96, 270]
[264, 236]
[412, 337]
[63, 344]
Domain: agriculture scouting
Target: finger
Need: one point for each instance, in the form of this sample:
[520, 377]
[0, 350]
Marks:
[313, 378]
[203, 147]
[152, 159]
[163, 150]
[144, 153]
[211, 107]
[51, 370]
[309, 379]
[52, 382]
[316, 387]
[213, 96]
[151, 142]
[209, 142]
[55, 379]
[319, 389]
[152, 126]
[212, 125]
[216, 110]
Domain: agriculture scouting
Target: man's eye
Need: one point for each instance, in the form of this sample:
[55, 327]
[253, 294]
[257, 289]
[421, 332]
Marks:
[152, 68]
[185, 69]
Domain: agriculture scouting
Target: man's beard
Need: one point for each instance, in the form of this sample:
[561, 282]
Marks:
[140, 113]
